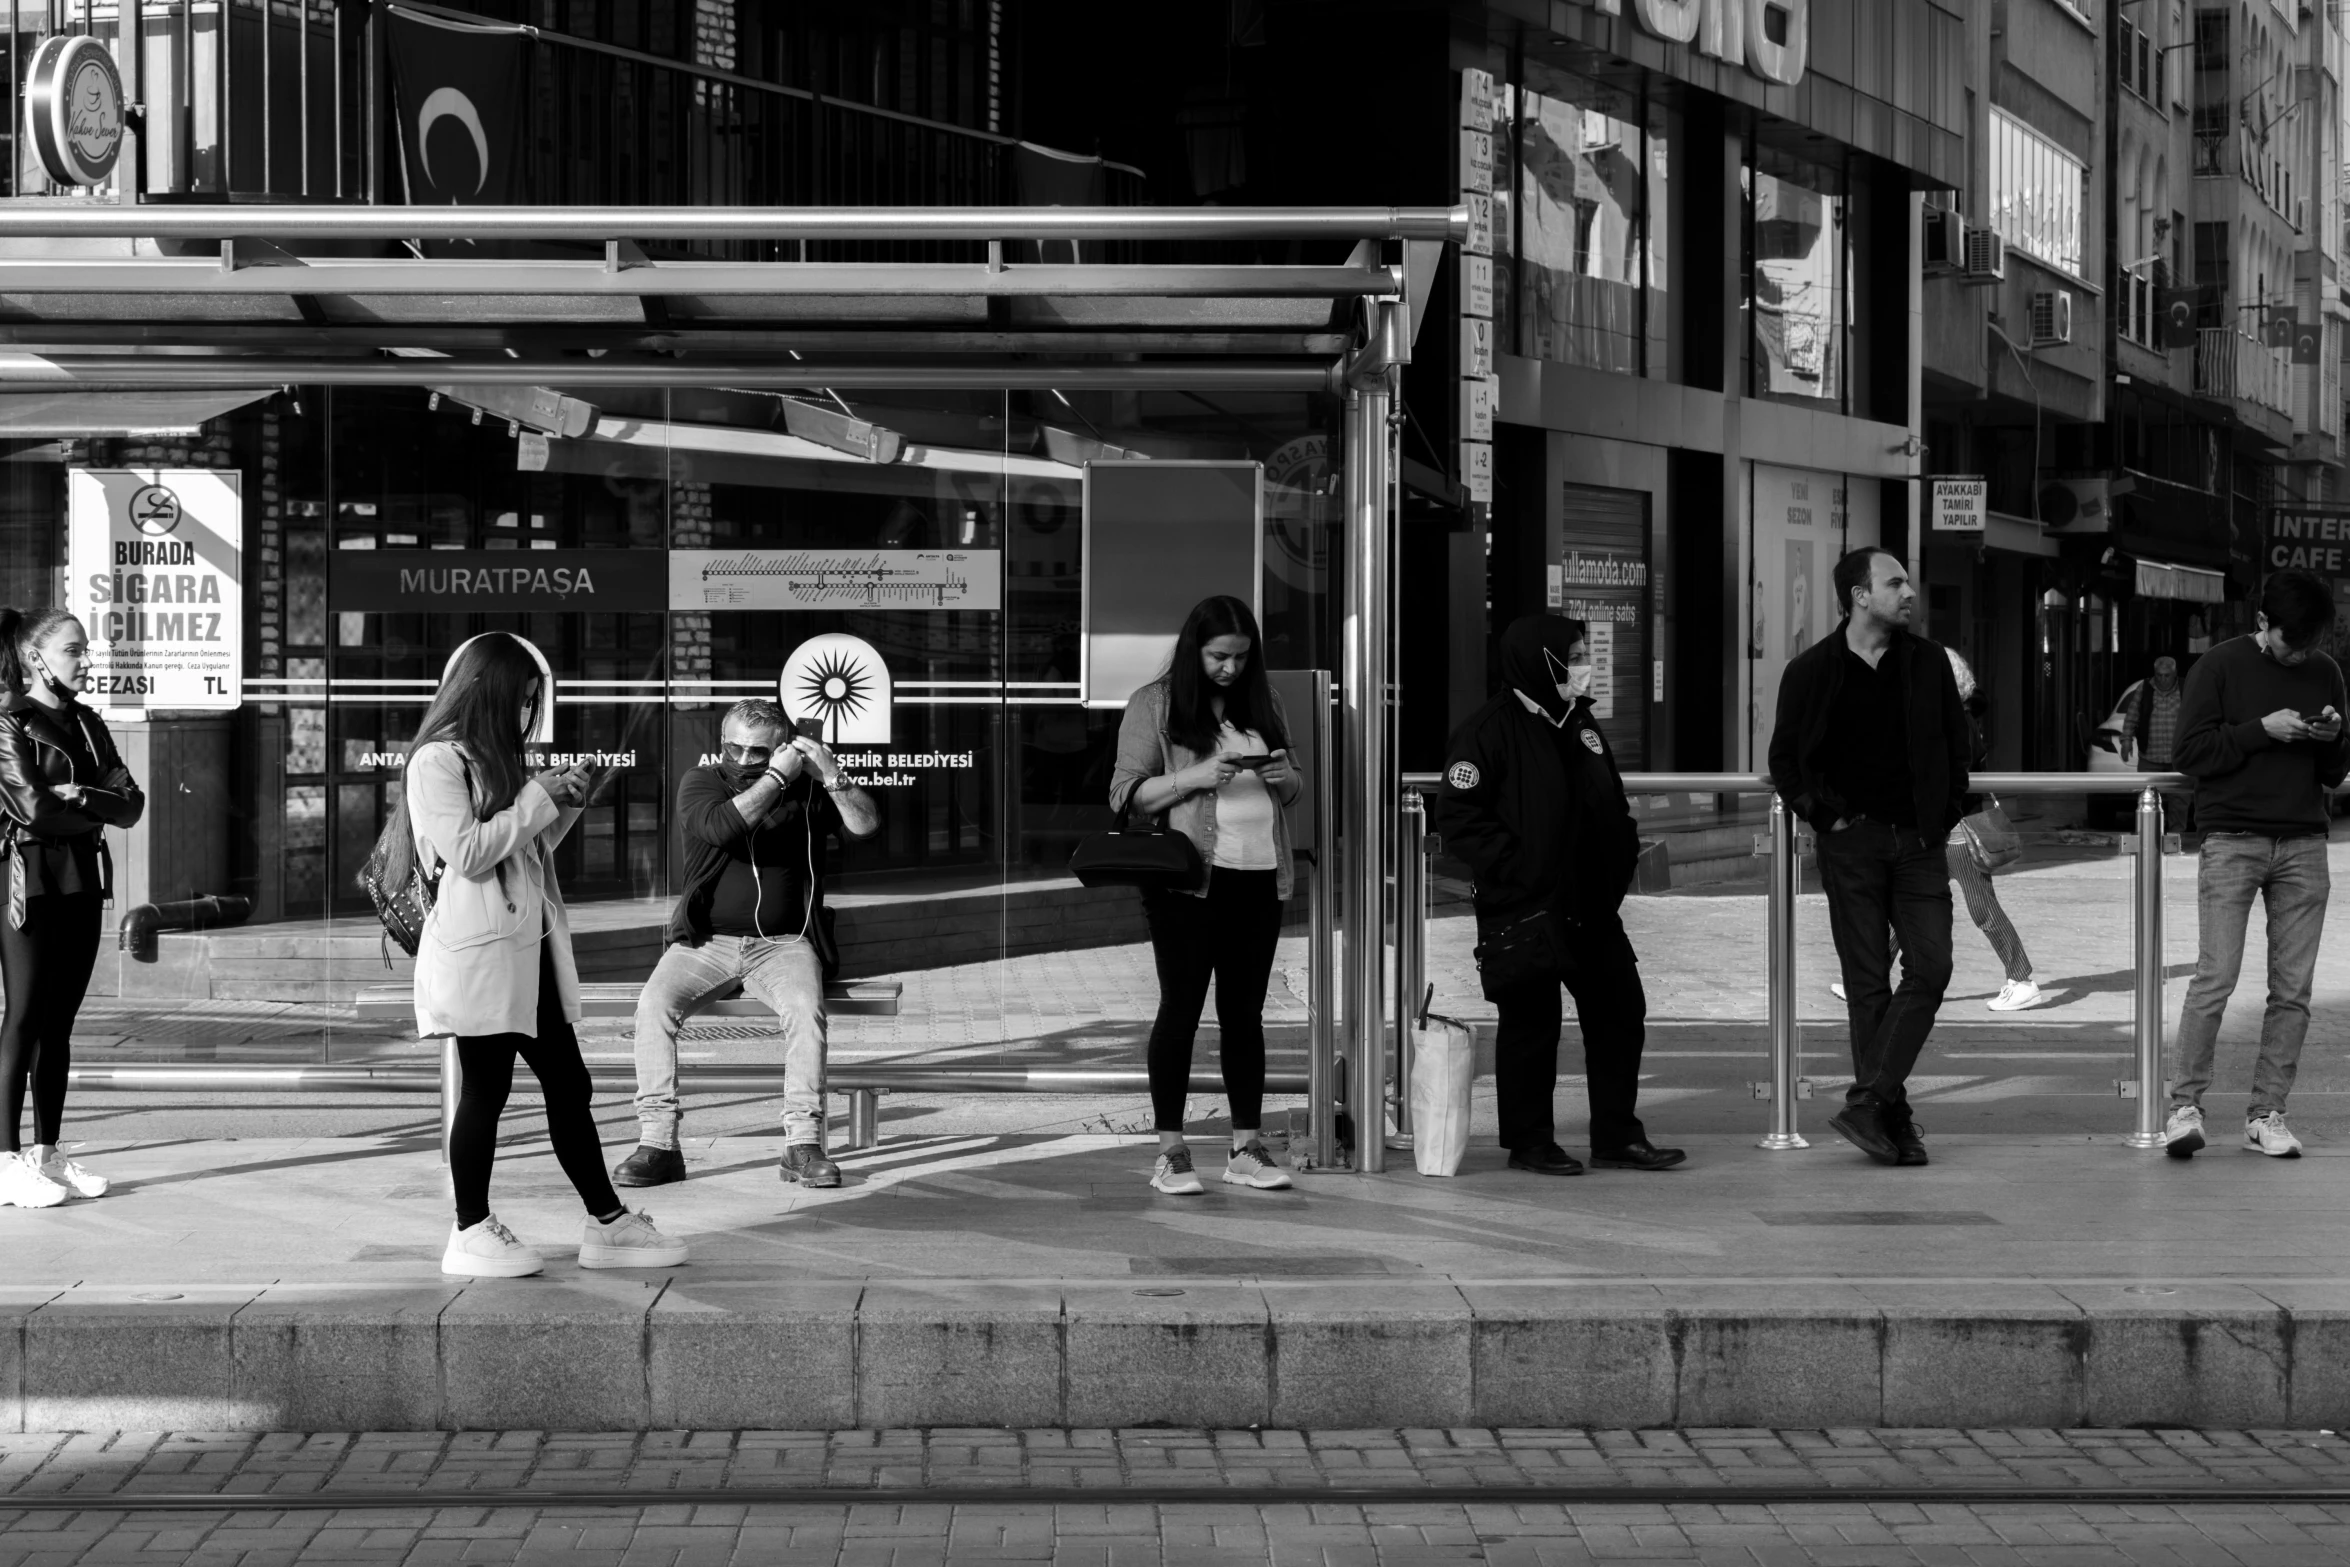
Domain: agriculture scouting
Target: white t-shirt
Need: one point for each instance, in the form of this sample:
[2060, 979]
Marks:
[1245, 808]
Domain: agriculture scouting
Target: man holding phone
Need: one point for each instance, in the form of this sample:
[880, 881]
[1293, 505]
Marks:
[2260, 732]
[748, 919]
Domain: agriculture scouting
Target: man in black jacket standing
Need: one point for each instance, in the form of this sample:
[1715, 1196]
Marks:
[1870, 748]
[1533, 804]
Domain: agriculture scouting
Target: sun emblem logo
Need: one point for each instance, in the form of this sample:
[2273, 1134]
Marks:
[842, 682]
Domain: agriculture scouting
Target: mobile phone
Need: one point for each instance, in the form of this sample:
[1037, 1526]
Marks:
[2315, 718]
[809, 728]
[1255, 764]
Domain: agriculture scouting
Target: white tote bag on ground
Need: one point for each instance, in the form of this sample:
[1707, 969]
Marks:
[1444, 1063]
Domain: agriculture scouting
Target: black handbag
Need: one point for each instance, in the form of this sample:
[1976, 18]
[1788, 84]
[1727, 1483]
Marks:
[1520, 949]
[1156, 859]
[403, 913]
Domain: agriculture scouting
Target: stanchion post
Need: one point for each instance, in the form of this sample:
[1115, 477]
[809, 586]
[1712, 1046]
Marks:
[1786, 1061]
[2148, 886]
[452, 1085]
[864, 1118]
[1321, 939]
[1411, 951]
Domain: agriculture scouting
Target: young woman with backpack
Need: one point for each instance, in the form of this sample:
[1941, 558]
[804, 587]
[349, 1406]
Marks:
[493, 963]
[61, 782]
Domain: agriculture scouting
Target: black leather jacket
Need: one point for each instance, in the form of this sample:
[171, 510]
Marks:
[59, 847]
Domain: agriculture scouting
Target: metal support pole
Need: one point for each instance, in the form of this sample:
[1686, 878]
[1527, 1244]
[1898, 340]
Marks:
[1321, 939]
[452, 1085]
[2148, 886]
[1786, 1034]
[1411, 951]
[864, 1117]
[1367, 783]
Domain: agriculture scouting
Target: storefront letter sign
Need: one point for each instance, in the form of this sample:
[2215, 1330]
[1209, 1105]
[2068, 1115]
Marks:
[1771, 38]
[1958, 505]
[154, 570]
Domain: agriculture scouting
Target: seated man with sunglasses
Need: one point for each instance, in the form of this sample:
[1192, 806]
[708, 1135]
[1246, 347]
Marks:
[746, 920]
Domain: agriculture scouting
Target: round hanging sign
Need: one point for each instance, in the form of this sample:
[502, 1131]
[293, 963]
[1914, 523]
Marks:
[73, 109]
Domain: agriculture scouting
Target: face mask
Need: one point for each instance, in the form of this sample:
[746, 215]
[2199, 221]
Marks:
[1577, 686]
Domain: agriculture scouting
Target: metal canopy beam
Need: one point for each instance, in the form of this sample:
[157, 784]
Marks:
[686, 225]
[204, 275]
[224, 372]
[76, 336]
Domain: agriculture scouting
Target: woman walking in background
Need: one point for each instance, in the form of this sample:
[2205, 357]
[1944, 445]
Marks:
[1982, 899]
[494, 965]
[1205, 746]
[62, 783]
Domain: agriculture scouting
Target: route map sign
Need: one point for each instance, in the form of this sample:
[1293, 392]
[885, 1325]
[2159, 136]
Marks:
[836, 579]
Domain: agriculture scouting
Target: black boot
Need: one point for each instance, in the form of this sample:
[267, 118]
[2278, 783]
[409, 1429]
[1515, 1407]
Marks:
[1863, 1126]
[806, 1164]
[650, 1166]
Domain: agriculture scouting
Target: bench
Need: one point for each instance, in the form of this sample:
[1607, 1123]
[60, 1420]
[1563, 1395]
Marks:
[842, 998]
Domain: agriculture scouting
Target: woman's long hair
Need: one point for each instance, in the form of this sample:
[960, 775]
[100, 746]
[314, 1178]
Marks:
[1248, 701]
[20, 634]
[478, 709]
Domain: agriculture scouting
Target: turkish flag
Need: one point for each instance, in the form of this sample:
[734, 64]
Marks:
[2306, 340]
[2278, 331]
[459, 92]
[2178, 317]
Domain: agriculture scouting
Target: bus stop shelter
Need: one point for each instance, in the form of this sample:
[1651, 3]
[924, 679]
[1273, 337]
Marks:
[104, 306]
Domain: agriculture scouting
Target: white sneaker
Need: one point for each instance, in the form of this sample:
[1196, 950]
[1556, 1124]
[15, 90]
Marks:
[629, 1241]
[22, 1185]
[2182, 1134]
[488, 1250]
[1251, 1165]
[2015, 995]
[2267, 1134]
[1174, 1175]
[77, 1181]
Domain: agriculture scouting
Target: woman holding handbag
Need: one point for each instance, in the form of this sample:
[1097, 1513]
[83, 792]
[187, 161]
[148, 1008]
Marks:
[1205, 746]
[1974, 881]
[494, 964]
[62, 783]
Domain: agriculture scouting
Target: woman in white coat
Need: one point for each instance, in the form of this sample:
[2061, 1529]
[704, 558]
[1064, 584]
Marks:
[494, 966]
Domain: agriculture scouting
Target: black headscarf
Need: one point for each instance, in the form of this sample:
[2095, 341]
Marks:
[1534, 659]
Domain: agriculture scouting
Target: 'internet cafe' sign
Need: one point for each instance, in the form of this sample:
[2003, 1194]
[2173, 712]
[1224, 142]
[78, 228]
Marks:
[1771, 38]
[154, 570]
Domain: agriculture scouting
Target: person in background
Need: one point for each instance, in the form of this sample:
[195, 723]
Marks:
[2150, 729]
[749, 919]
[1205, 746]
[1532, 802]
[2260, 732]
[61, 783]
[494, 964]
[1982, 898]
[1870, 748]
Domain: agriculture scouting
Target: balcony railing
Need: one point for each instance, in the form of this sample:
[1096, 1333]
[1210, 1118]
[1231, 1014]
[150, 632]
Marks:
[2230, 363]
[311, 118]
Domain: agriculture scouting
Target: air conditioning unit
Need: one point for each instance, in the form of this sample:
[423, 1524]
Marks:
[1946, 237]
[2052, 319]
[1986, 257]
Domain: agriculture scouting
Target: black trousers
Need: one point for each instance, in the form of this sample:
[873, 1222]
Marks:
[1885, 882]
[488, 1063]
[46, 968]
[1228, 936]
[1612, 1008]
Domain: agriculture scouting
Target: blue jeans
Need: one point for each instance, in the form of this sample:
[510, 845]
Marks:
[787, 975]
[2291, 878]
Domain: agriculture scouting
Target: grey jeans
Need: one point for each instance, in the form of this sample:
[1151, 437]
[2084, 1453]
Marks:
[787, 975]
[2289, 875]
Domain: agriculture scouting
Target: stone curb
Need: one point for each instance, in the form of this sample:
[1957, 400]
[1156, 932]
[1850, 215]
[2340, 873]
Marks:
[617, 1352]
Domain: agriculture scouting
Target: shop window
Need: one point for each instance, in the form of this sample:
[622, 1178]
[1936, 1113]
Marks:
[2038, 191]
[1598, 573]
[1797, 302]
[1589, 177]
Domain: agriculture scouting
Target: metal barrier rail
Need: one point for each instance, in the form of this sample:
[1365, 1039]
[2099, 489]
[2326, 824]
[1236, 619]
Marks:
[863, 1083]
[1411, 884]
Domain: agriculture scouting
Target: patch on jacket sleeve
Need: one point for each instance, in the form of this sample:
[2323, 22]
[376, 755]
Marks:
[1591, 741]
[1464, 775]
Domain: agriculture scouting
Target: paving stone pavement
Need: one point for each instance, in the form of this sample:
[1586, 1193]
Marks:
[682, 1516]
